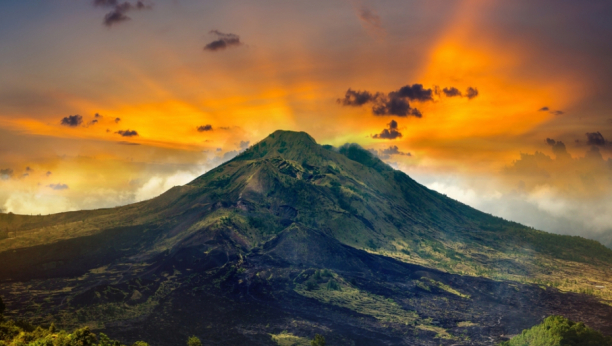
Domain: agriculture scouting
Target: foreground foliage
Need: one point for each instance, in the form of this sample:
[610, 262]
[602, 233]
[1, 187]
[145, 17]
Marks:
[21, 333]
[559, 331]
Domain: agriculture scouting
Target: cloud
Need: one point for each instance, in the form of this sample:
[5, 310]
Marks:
[397, 102]
[471, 92]
[558, 149]
[6, 174]
[58, 187]
[118, 13]
[97, 115]
[48, 173]
[451, 92]
[204, 128]
[127, 143]
[223, 41]
[394, 105]
[357, 98]
[117, 120]
[578, 177]
[389, 133]
[370, 20]
[596, 138]
[244, 144]
[28, 169]
[158, 184]
[414, 92]
[72, 120]
[127, 133]
[394, 150]
[546, 109]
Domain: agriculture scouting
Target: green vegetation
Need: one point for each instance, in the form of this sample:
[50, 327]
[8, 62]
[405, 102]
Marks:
[20, 333]
[342, 294]
[559, 331]
[288, 339]
[194, 341]
[318, 340]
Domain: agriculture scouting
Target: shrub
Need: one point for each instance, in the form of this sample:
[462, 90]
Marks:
[194, 341]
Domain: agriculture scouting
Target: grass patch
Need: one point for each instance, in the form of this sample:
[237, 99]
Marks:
[465, 324]
[362, 302]
[440, 332]
[447, 288]
[288, 339]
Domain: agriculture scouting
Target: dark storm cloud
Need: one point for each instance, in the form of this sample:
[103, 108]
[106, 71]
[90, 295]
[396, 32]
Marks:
[58, 186]
[471, 92]
[223, 41]
[127, 133]
[389, 133]
[72, 120]
[451, 92]
[6, 174]
[204, 128]
[357, 98]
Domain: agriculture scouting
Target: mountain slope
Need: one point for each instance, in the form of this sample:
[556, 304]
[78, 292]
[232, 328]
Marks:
[305, 233]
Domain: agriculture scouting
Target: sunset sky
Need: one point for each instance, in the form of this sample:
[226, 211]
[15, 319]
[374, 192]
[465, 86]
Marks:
[503, 105]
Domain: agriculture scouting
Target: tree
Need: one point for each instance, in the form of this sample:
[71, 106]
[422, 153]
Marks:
[318, 340]
[2, 306]
[194, 341]
[84, 337]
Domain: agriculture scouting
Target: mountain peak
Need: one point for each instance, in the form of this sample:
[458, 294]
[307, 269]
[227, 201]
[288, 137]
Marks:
[289, 144]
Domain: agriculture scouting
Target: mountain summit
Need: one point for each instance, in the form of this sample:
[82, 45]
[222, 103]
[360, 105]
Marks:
[293, 238]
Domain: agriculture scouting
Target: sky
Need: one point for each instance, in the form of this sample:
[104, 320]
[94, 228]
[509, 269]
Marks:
[503, 105]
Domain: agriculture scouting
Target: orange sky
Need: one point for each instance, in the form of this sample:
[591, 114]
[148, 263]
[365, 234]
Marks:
[294, 61]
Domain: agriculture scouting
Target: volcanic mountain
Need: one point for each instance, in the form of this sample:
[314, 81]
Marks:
[293, 238]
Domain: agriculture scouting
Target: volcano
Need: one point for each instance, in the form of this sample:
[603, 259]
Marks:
[291, 239]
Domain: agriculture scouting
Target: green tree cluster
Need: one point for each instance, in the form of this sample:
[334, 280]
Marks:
[559, 331]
